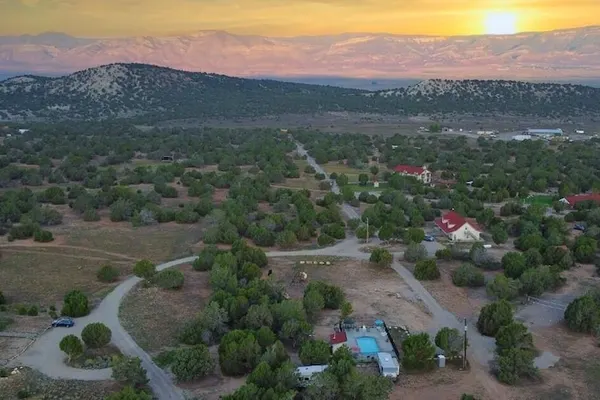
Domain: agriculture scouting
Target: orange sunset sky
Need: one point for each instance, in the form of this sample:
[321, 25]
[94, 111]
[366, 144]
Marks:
[105, 18]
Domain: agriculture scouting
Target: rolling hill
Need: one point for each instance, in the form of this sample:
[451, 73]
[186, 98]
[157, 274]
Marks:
[136, 90]
[554, 55]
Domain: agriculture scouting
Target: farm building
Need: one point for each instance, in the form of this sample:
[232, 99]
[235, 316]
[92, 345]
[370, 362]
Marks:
[458, 228]
[422, 174]
[578, 198]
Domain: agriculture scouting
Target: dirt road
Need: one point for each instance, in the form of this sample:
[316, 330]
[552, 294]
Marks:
[350, 211]
[45, 355]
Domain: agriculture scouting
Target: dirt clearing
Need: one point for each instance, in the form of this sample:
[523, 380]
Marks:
[375, 293]
[154, 316]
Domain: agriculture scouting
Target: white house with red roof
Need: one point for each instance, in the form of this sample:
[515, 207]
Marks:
[578, 198]
[422, 174]
[458, 228]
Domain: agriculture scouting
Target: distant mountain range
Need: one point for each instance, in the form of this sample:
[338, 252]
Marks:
[157, 93]
[556, 55]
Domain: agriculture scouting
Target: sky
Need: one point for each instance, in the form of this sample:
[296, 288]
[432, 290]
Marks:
[110, 18]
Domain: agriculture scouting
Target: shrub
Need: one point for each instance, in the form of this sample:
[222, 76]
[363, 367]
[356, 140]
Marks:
[23, 231]
[493, 317]
[169, 279]
[444, 254]
[468, 275]
[514, 264]
[353, 223]
[164, 358]
[107, 273]
[334, 296]
[415, 252]
[427, 270]
[536, 281]
[514, 364]
[75, 304]
[33, 311]
[325, 240]
[286, 239]
[90, 215]
[5, 322]
[449, 340]
[381, 257]
[313, 302]
[2, 298]
[206, 258]
[315, 352]
[503, 288]
[71, 345]
[239, 352]
[129, 393]
[96, 335]
[144, 269]
[583, 314]
[129, 370]
[418, 352]
[43, 236]
[513, 335]
[336, 231]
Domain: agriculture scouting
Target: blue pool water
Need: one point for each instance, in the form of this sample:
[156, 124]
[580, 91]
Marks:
[367, 345]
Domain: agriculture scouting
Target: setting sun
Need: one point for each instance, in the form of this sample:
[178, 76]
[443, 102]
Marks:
[500, 23]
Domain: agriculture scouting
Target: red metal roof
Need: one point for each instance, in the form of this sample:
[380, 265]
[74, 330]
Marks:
[453, 221]
[578, 198]
[338, 337]
[409, 169]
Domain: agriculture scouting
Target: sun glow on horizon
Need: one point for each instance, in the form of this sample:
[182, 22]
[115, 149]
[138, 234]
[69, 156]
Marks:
[500, 23]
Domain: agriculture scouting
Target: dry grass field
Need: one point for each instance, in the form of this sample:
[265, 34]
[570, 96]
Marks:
[154, 316]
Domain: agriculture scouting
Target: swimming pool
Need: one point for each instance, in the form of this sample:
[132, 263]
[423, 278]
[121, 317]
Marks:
[367, 345]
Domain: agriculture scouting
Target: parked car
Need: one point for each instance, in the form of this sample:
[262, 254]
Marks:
[63, 322]
[579, 227]
[429, 238]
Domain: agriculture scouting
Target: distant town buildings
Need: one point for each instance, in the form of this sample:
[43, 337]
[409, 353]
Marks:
[458, 228]
[422, 174]
[544, 132]
[520, 138]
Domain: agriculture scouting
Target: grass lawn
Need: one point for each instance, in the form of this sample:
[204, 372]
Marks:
[44, 277]
[352, 173]
[157, 243]
[306, 182]
[35, 273]
[369, 187]
[154, 316]
[543, 199]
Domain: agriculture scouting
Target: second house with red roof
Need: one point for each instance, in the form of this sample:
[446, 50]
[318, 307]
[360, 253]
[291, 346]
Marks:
[458, 228]
[422, 174]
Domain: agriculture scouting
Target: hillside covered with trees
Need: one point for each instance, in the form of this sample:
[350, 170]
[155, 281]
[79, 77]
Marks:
[158, 93]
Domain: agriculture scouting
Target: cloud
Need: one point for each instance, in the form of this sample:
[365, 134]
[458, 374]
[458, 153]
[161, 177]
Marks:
[278, 17]
[30, 3]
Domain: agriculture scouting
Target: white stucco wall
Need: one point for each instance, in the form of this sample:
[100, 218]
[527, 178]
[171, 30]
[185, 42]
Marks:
[466, 234]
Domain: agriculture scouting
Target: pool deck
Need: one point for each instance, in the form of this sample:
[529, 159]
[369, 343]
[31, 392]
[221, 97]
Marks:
[378, 334]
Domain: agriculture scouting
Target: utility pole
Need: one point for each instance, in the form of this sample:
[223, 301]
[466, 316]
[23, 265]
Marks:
[465, 347]
[367, 230]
